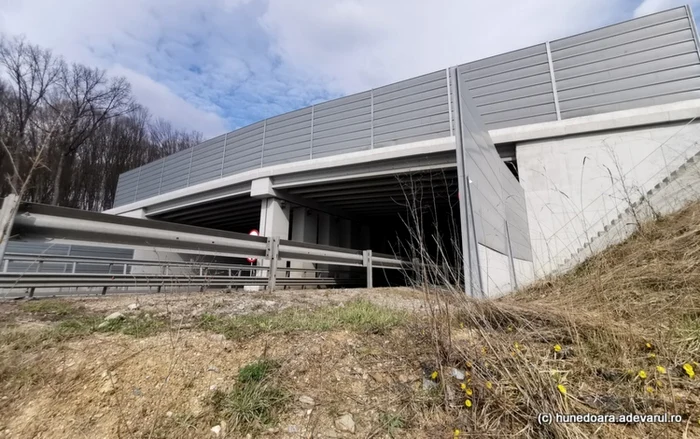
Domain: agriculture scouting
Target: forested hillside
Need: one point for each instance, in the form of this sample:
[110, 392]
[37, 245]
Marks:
[78, 127]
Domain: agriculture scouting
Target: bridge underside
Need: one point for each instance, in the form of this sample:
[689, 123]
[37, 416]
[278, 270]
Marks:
[377, 213]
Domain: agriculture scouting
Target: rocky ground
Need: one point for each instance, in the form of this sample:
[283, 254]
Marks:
[346, 362]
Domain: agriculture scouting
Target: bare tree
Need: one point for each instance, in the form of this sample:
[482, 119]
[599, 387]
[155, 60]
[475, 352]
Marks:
[97, 130]
[31, 71]
[86, 98]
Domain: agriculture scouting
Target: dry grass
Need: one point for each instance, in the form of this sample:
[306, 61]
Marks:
[633, 308]
[573, 344]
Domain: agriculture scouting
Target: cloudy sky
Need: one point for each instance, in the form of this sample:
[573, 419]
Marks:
[216, 65]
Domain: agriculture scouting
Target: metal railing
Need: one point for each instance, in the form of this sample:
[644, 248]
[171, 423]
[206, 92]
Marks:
[35, 221]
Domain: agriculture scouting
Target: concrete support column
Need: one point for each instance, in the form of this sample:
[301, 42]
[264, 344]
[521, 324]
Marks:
[274, 218]
[274, 222]
[304, 229]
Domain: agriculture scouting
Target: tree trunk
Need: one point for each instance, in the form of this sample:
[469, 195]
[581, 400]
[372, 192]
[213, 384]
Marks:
[57, 181]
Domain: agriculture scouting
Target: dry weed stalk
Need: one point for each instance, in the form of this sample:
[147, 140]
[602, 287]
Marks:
[589, 341]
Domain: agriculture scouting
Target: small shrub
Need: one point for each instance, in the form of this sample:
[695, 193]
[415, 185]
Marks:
[256, 372]
[255, 401]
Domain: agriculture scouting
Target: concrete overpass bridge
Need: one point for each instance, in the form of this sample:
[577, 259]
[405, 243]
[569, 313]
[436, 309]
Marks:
[526, 153]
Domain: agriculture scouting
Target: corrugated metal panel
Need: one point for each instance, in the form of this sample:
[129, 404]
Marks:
[512, 89]
[149, 180]
[206, 160]
[646, 61]
[37, 248]
[288, 138]
[244, 149]
[126, 187]
[343, 125]
[497, 197]
[43, 249]
[100, 252]
[412, 110]
[175, 171]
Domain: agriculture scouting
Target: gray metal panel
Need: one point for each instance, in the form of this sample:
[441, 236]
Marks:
[511, 89]
[412, 110]
[496, 196]
[43, 249]
[149, 180]
[646, 61]
[638, 103]
[175, 171]
[288, 137]
[126, 187]
[101, 252]
[619, 28]
[37, 248]
[244, 149]
[206, 160]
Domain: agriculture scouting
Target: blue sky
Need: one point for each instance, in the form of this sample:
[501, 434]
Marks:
[217, 65]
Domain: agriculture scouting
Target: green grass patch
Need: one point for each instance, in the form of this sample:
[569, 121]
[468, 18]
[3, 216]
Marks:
[136, 326]
[258, 371]
[50, 307]
[256, 399]
[356, 315]
[392, 422]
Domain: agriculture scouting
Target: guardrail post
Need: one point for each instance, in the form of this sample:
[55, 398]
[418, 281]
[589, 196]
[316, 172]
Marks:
[273, 247]
[104, 290]
[6, 265]
[367, 262]
[7, 219]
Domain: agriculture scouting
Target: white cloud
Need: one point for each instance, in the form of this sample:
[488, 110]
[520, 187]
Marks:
[164, 103]
[218, 64]
[356, 44]
[650, 6]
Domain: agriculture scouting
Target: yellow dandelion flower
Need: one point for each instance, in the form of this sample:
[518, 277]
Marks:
[483, 350]
[557, 348]
[469, 364]
[642, 374]
[661, 369]
[510, 329]
[516, 345]
[562, 389]
[469, 392]
[489, 385]
[651, 356]
[468, 403]
[469, 380]
[649, 389]
[463, 386]
[689, 370]
[457, 432]
[659, 384]
[461, 325]
[648, 345]
[434, 375]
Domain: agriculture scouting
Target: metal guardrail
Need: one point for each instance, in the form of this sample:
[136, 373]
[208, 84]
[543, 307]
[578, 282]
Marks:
[36, 221]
